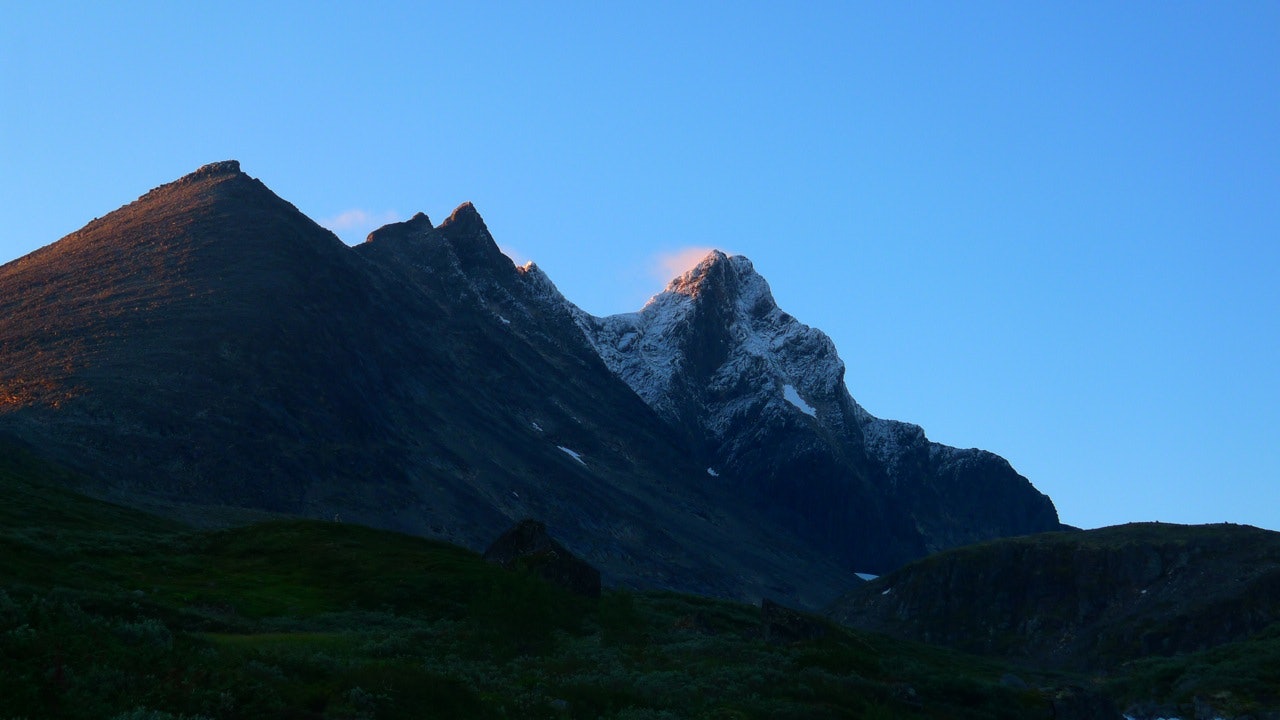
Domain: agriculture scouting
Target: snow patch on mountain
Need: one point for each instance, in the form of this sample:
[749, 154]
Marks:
[572, 454]
[793, 397]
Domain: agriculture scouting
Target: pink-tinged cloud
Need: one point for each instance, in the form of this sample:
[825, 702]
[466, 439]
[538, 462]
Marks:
[516, 256]
[670, 265]
[354, 224]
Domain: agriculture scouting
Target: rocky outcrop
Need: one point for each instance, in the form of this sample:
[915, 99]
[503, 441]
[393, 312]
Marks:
[528, 546]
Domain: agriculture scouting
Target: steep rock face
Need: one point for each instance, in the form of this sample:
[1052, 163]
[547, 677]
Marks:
[1086, 599]
[763, 399]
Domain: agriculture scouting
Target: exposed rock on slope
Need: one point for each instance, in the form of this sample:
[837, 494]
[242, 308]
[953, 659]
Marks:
[1089, 599]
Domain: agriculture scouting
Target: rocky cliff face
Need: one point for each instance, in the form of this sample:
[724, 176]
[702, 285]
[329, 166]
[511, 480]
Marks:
[763, 400]
[1083, 600]
[208, 347]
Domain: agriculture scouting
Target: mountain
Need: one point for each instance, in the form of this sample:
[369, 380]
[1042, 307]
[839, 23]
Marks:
[210, 352]
[763, 401]
[1089, 600]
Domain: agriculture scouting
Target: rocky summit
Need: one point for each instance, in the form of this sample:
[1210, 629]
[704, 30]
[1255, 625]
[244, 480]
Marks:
[210, 352]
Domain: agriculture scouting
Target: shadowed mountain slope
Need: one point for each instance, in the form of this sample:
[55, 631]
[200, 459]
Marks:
[208, 349]
[208, 345]
[153, 342]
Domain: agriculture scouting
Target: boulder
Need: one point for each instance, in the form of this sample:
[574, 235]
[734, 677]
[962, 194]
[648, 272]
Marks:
[528, 546]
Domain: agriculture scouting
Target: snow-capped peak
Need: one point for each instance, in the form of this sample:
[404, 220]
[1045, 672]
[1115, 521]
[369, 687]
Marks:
[692, 280]
[714, 346]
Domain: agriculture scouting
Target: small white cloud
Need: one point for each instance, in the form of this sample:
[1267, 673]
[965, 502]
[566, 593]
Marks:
[355, 224]
[668, 265]
[516, 256]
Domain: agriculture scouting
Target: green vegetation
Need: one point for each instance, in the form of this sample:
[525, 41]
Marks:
[107, 612]
[1237, 679]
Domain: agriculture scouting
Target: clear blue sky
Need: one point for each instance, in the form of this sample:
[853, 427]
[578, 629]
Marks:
[1049, 230]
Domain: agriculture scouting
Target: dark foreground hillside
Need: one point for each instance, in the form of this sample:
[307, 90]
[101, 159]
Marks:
[107, 612]
[1190, 614]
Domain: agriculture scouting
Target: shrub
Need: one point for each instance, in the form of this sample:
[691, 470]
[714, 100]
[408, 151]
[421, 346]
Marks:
[145, 633]
[142, 713]
[634, 713]
[517, 614]
[620, 621]
[9, 611]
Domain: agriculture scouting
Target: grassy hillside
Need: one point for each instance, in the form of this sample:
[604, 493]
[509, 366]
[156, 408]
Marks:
[1176, 621]
[1240, 679]
[106, 612]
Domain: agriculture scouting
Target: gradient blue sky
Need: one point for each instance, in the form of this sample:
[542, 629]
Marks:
[1049, 230]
